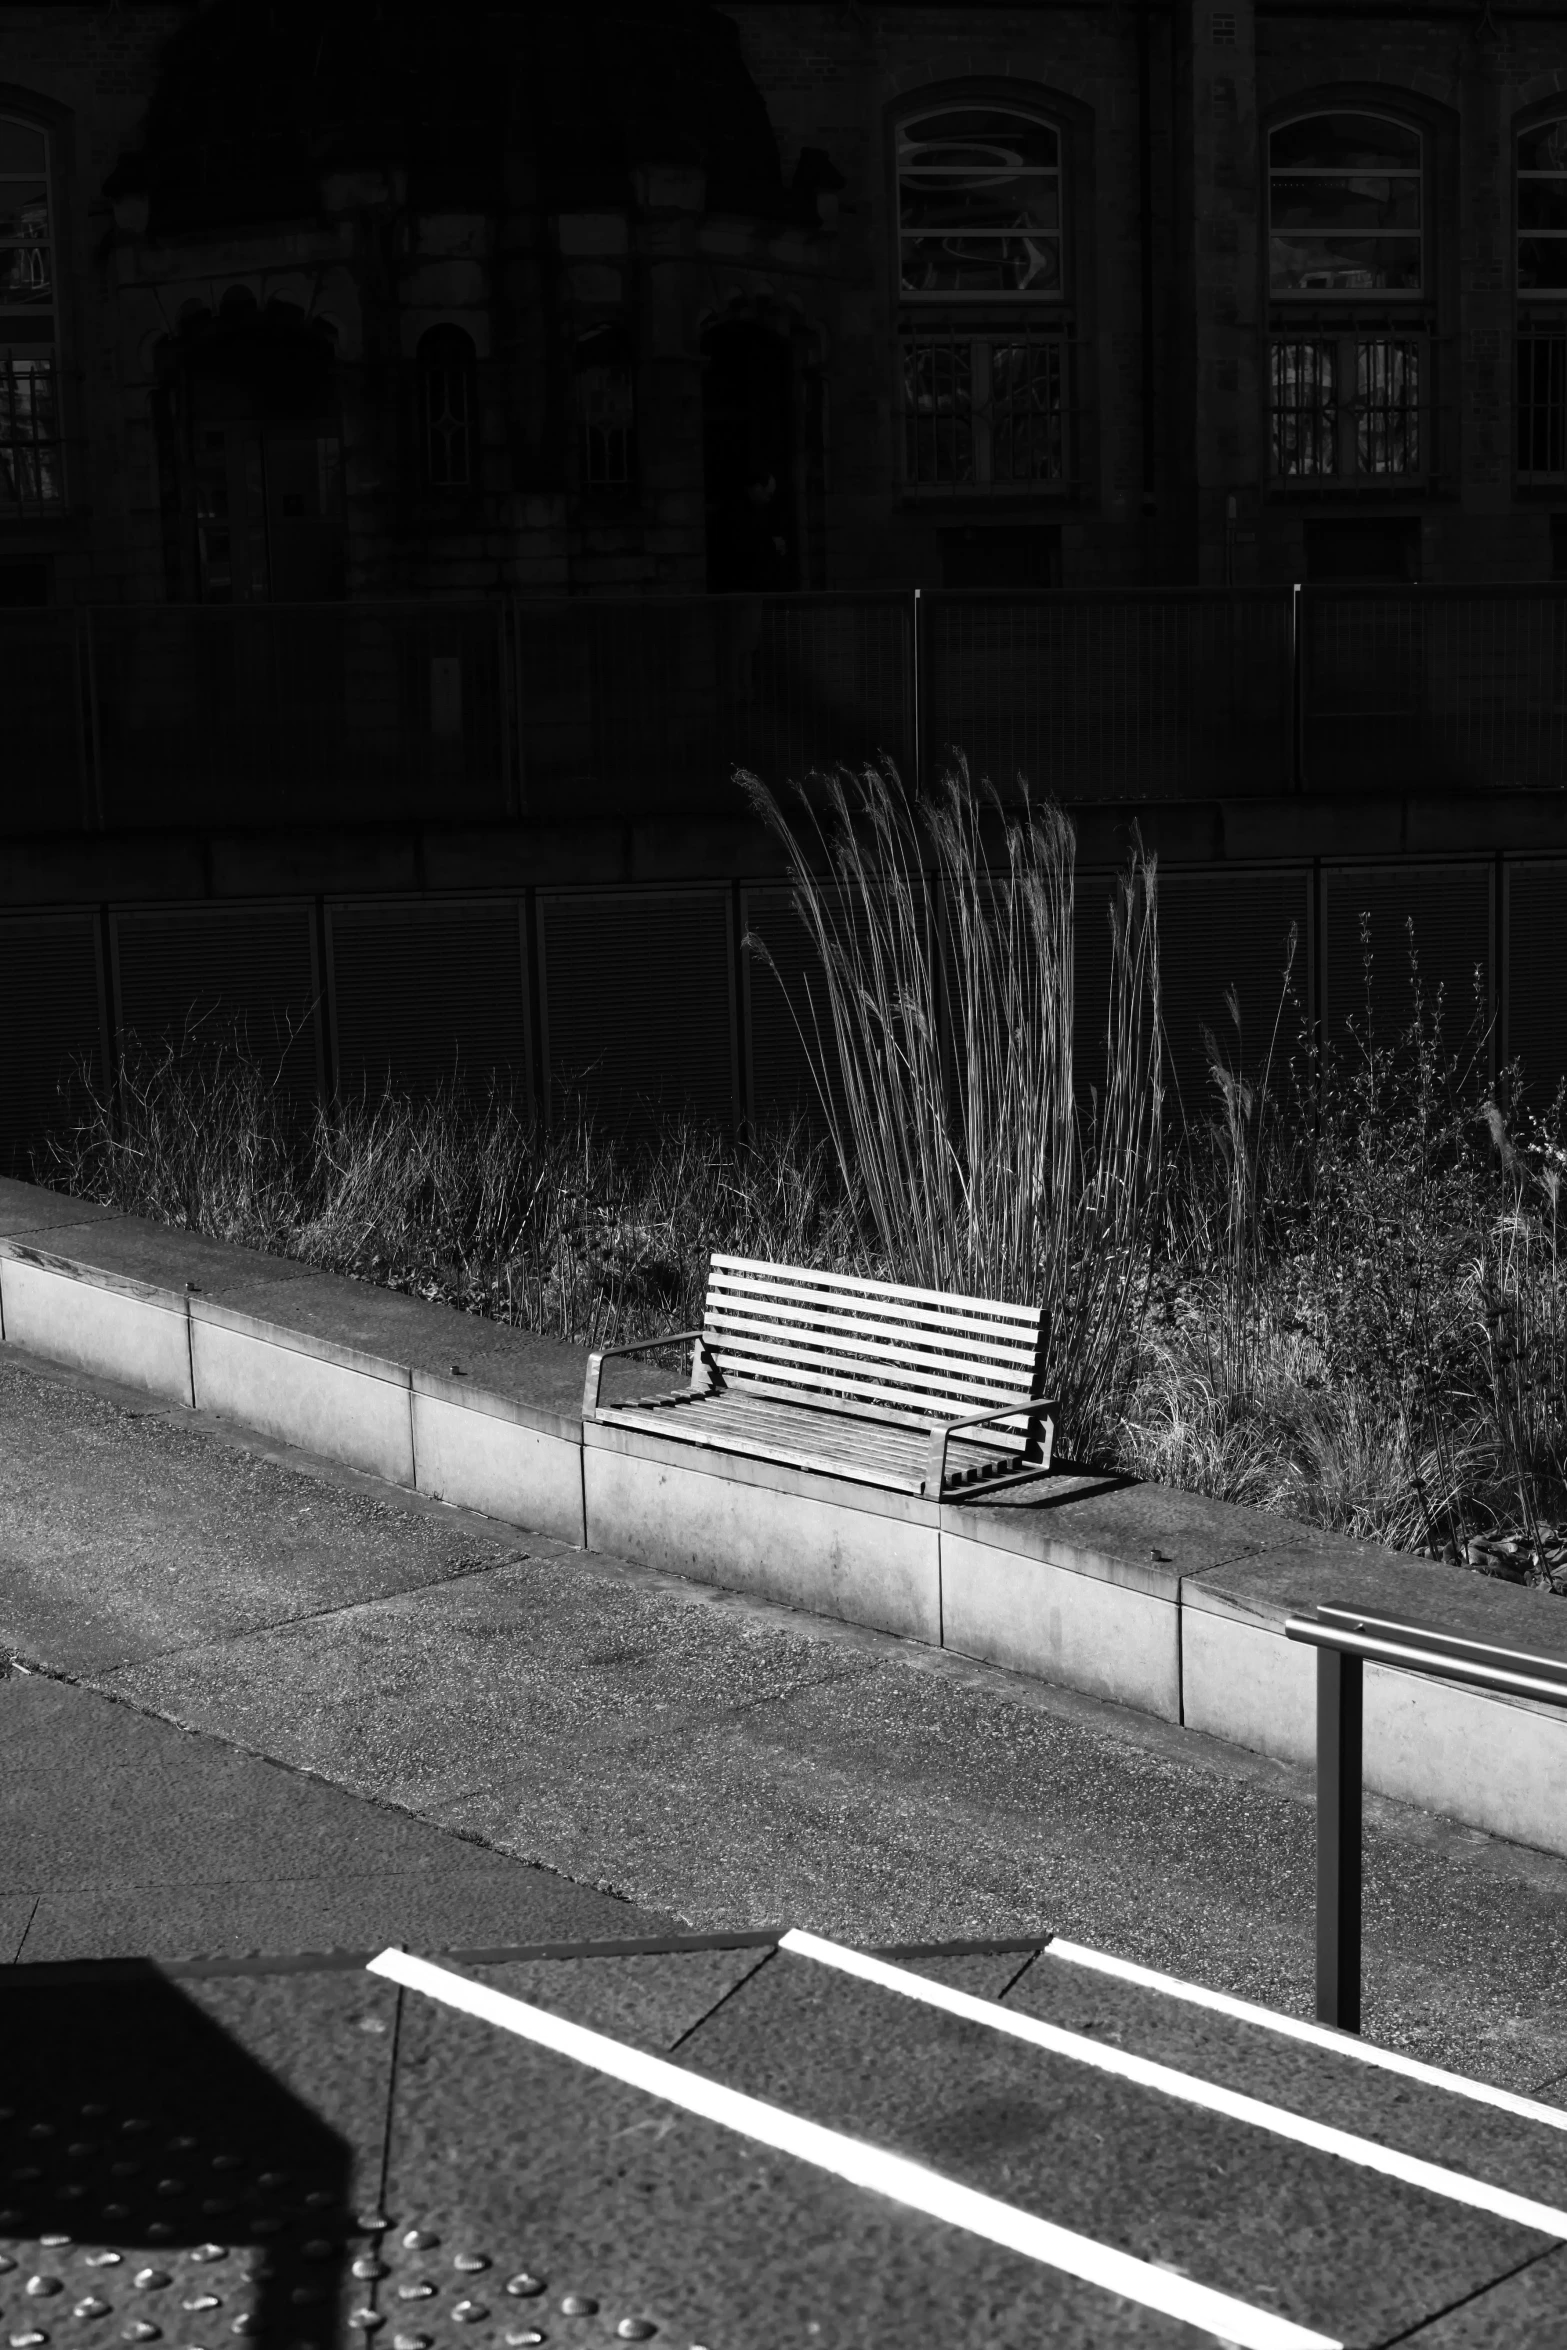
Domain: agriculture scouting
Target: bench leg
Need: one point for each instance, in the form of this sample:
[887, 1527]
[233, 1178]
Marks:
[1339, 1711]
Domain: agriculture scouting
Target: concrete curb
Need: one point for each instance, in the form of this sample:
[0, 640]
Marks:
[1149, 1598]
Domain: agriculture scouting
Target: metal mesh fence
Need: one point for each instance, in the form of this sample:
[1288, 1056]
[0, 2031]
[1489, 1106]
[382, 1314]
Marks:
[261, 714]
[258, 715]
[1127, 695]
[644, 709]
[1436, 688]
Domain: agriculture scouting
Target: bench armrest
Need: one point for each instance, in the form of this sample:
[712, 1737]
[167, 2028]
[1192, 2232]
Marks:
[637, 1346]
[1032, 1407]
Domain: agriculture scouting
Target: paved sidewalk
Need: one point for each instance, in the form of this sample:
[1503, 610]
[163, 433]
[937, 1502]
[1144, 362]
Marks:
[476, 1724]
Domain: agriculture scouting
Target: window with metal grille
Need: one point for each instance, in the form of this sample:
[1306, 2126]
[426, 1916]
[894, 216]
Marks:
[32, 476]
[1540, 366]
[1316, 431]
[984, 412]
[1542, 403]
[605, 408]
[1304, 408]
[981, 271]
[448, 402]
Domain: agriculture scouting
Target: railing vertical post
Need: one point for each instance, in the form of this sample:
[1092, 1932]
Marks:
[1339, 1713]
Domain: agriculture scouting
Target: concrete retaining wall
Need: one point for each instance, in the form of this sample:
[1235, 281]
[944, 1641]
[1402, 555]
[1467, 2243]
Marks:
[1150, 1598]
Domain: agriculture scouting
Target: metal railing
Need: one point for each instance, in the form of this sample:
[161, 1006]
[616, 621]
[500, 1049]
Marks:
[1345, 1639]
[253, 716]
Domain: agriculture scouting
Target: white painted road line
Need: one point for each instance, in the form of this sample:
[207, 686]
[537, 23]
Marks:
[1291, 2027]
[871, 2167]
[1452, 2185]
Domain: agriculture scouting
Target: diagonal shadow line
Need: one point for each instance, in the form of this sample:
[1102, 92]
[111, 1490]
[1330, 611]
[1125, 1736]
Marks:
[138, 2132]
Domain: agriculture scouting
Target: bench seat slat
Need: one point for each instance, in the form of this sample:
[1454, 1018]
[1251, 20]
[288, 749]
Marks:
[860, 1426]
[778, 1429]
[832, 1346]
[1009, 1325]
[849, 1420]
[934, 1407]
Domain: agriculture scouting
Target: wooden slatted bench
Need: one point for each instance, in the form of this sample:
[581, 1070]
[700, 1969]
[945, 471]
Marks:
[908, 1389]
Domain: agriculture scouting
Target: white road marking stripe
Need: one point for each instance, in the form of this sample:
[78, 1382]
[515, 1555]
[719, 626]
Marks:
[1454, 2186]
[1291, 2027]
[871, 2167]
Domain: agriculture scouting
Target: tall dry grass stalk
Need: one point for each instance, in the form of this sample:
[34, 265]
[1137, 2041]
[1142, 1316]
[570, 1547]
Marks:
[971, 1157]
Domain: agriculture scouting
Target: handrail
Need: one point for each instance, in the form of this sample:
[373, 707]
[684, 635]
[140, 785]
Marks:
[1344, 1638]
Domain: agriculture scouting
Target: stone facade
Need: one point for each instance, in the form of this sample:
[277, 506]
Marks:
[613, 306]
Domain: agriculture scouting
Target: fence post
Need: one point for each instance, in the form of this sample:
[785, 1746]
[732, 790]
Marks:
[917, 684]
[1340, 1685]
[1297, 695]
[94, 735]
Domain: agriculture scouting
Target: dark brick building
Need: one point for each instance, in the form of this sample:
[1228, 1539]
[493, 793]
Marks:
[304, 301]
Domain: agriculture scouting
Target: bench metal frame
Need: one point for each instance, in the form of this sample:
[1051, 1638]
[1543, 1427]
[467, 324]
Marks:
[1345, 1639]
[718, 1357]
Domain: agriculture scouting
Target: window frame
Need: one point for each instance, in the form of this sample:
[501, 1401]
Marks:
[22, 511]
[1539, 341]
[963, 334]
[463, 367]
[1373, 333]
[944, 297]
[1371, 296]
[619, 358]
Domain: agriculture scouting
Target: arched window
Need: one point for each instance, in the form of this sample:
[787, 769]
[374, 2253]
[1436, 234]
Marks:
[1344, 206]
[32, 478]
[982, 284]
[1349, 358]
[1541, 371]
[448, 403]
[979, 204]
[605, 409]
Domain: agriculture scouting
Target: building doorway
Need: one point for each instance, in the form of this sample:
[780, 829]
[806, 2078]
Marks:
[749, 455]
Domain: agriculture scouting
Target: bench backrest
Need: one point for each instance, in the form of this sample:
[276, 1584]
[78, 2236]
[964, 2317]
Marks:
[873, 1343]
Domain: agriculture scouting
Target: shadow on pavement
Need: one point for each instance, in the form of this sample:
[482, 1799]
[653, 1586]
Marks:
[158, 2183]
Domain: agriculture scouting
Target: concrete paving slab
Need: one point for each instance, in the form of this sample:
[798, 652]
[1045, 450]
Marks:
[613, 2207]
[1529, 2308]
[651, 2002]
[29, 1207]
[1434, 2124]
[120, 1834]
[483, 1698]
[1319, 2241]
[126, 1534]
[16, 1915]
[919, 1795]
[187, 2162]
